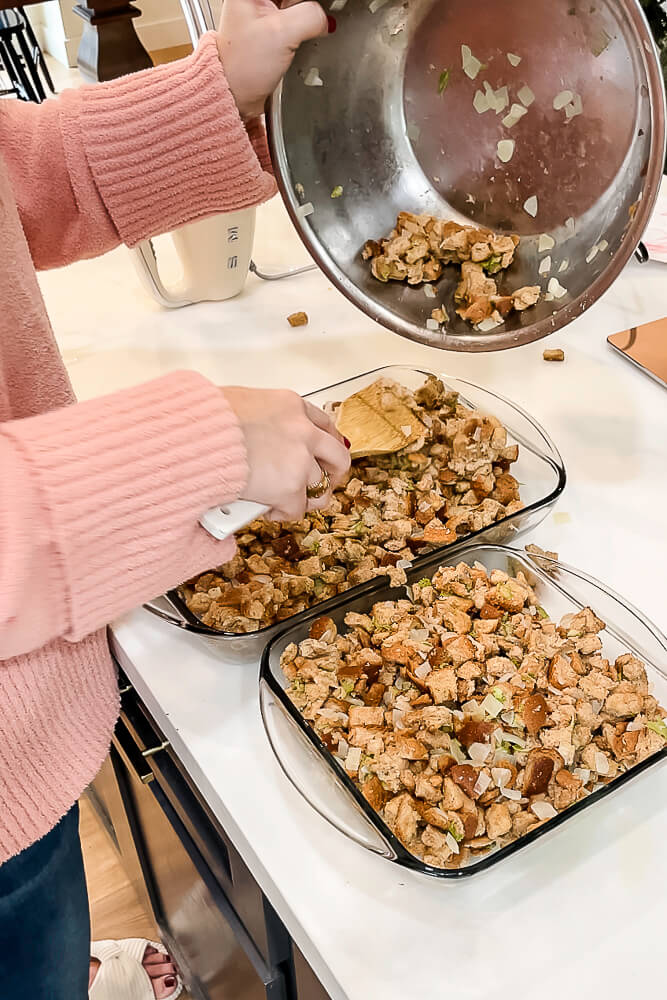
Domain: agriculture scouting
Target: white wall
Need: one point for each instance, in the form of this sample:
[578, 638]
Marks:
[161, 26]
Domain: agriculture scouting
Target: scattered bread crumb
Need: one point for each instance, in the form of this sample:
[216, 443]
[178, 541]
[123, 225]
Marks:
[554, 355]
[298, 319]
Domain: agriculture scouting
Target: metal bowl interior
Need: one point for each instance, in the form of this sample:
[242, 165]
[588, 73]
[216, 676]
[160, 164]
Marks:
[380, 129]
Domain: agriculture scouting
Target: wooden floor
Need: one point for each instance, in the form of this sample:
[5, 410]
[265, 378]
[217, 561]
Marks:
[170, 55]
[115, 910]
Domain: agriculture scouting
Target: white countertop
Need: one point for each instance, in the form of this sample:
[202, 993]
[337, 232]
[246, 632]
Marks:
[581, 913]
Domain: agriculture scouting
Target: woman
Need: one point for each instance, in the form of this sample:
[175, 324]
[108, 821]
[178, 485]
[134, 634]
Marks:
[100, 501]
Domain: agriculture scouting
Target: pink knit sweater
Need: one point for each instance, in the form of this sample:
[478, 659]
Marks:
[99, 501]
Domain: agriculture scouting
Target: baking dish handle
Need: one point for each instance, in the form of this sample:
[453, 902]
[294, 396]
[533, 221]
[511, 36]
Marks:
[174, 619]
[314, 781]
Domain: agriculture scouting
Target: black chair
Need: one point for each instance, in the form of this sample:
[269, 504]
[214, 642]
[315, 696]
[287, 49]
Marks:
[22, 56]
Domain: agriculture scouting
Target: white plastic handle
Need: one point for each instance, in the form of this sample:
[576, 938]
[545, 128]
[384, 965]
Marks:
[146, 265]
[222, 522]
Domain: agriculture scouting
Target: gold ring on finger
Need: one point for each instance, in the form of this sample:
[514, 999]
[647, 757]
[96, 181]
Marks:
[319, 489]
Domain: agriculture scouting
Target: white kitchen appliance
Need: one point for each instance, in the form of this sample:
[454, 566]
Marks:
[215, 257]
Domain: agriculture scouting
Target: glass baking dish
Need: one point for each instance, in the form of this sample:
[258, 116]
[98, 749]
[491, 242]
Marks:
[539, 470]
[323, 782]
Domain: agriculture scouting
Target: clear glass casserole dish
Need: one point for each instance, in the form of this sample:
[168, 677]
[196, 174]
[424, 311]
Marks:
[323, 782]
[539, 470]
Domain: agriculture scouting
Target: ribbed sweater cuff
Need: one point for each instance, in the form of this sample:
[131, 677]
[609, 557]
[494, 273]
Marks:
[123, 480]
[168, 146]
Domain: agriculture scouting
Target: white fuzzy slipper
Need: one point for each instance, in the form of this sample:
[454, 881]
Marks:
[121, 976]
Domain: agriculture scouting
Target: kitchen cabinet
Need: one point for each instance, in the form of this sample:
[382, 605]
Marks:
[225, 936]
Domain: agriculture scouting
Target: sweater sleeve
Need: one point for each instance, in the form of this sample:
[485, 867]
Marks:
[100, 501]
[125, 160]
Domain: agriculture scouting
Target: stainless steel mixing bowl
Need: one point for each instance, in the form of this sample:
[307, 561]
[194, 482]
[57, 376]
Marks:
[384, 129]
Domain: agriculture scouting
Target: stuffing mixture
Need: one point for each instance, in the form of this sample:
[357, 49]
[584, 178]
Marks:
[467, 717]
[419, 248]
[453, 480]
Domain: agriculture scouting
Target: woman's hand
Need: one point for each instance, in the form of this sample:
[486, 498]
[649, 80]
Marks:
[257, 41]
[289, 443]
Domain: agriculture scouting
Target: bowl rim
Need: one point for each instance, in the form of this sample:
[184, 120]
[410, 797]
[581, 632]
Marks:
[475, 342]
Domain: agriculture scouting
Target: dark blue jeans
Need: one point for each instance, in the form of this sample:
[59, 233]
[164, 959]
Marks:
[44, 922]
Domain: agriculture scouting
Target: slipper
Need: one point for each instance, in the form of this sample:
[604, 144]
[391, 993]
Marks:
[121, 975]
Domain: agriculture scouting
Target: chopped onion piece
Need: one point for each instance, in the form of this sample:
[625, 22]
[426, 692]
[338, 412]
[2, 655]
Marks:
[332, 713]
[482, 783]
[488, 324]
[456, 752]
[512, 59]
[479, 752]
[560, 100]
[451, 844]
[353, 759]
[508, 718]
[397, 718]
[501, 775]
[504, 679]
[423, 670]
[543, 810]
[304, 210]
[480, 102]
[516, 740]
[405, 563]
[502, 99]
[557, 290]
[601, 42]
[471, 65]
[575, 108]
[526, 96]
[596, 706]
[545, 242]
[473, 710]
[564, 266]
[601, 763]
[592, 254]
[530, 205]
[571, 225]
[337, 5]
[432, 324]
[429, 291]
[506, 149]
[492, 706]
[375, 5]
[515, 113]
[545, 265]
[634, 726]
[583, 774]
[313, 78]
[603, 245]
[511, 793]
